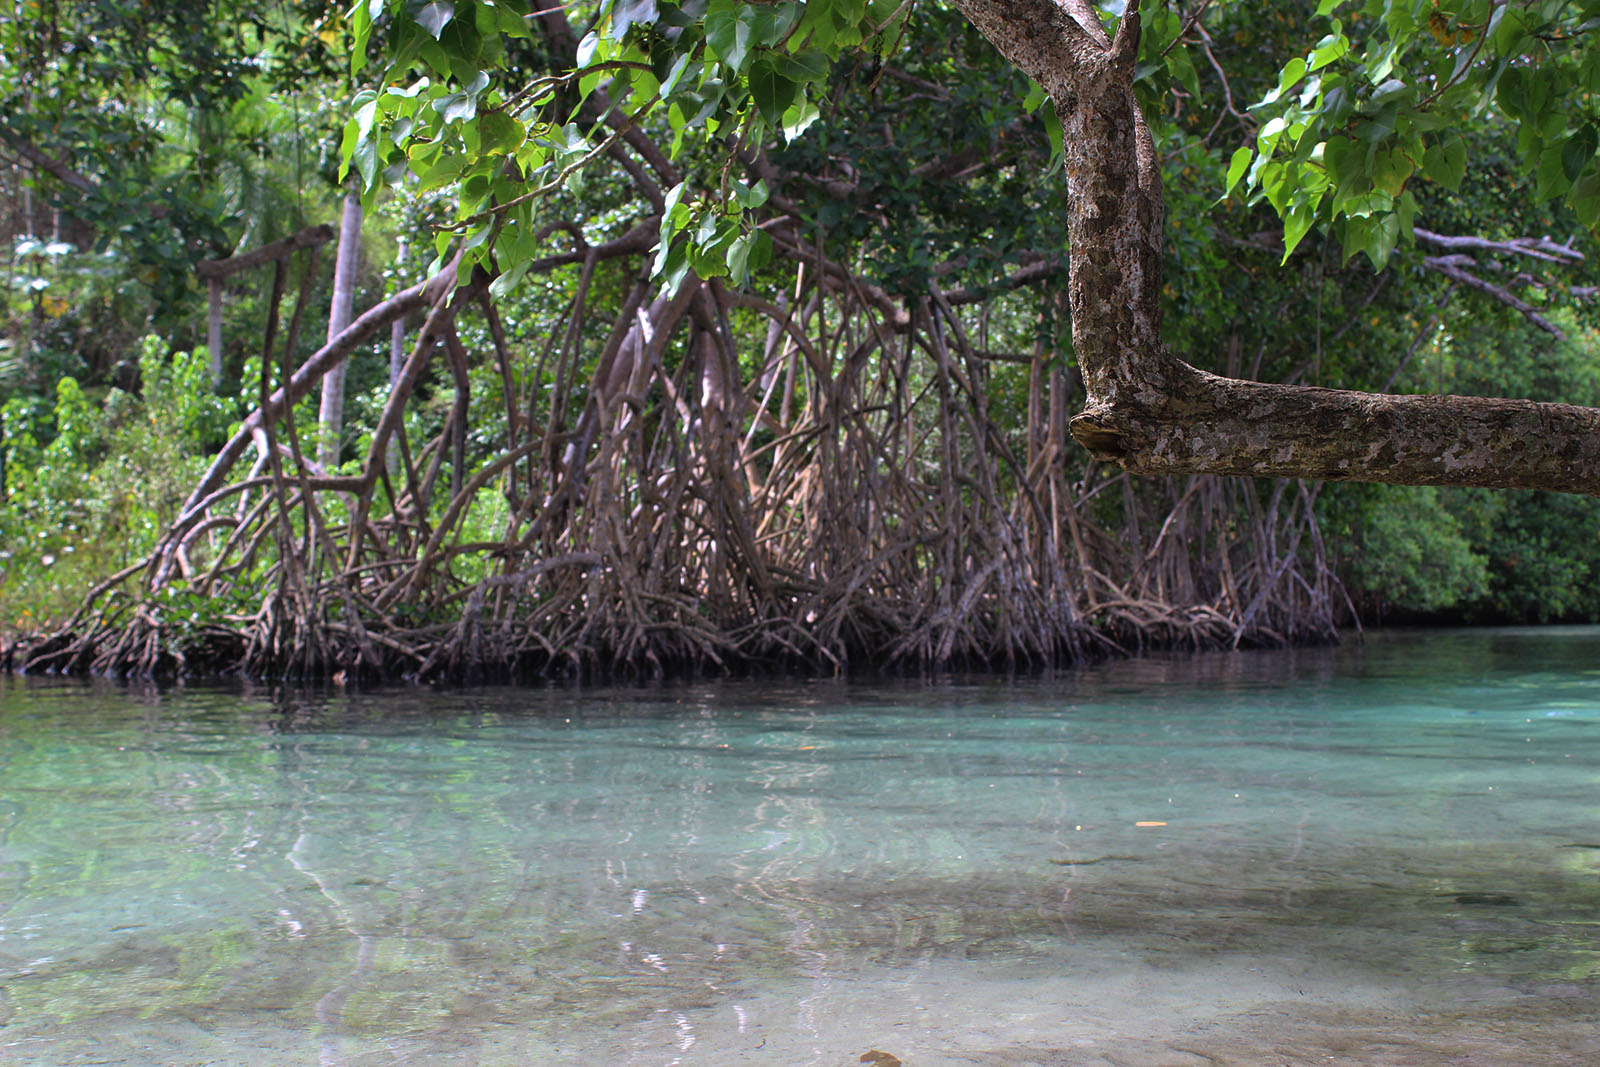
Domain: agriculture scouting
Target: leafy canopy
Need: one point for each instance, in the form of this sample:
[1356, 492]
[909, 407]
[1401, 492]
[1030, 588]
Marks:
[1382, 97]
[463, 105]
[1375, 103]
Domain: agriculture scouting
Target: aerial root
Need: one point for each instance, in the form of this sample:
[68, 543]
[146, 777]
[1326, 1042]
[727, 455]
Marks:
[843, 498]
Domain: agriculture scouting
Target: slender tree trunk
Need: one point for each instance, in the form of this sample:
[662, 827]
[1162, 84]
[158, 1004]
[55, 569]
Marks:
[27, 203]
[397, 332]
[23, 168]
[339, 315]
[214, 328]
[397, 362]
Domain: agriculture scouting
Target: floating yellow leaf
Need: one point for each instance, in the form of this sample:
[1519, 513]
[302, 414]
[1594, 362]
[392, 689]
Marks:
[881, 1059]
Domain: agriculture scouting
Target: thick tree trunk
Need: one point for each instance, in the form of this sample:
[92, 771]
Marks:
[1208, 424]
[331, 413]
[1154, 414]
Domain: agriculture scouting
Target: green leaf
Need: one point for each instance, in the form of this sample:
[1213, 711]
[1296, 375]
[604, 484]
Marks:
[365, 157]
[432, 15]
[1267, 139]
[1293, 71]
[1509, 92]
[586, 48]
[806, 67]
[1387, 235]
[1373, 202]
[738, 258]
[1392, 89]
[666, 249]
[670, 82]
[729, 28]
[400, 131]
[360, 32]
[1552, 174]
[772, 90]
[674, 214]
[1585, 198]
[438, 60]
[1337, 102]
[1405, 209]
[710, 223]
[1505, 33]
[816, 29]
[1445, 162]
[499, 133]
[462, 106]
[457, 107]
[761, 251]
[1278, 182]
[771, 22]
[1036, 96]
[1390, 171]
[1332, 47]
[1296, 224]
[474, 193]
[708, 252]
[798, 118]
[1236, 167]
[1180, 67]
[504, 284]
[508, 22]
[1373, 234]
[1052, 130]
[444, 170]
[1379, 66]
[755, 195]
[407, 94]
[366, 110]
[675, 269]
[1578, 151]
[628, 12]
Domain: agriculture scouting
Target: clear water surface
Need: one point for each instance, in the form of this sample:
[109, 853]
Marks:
[1387, 853]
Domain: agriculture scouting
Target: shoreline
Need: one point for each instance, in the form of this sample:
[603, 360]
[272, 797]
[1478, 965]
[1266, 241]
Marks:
[220, 655]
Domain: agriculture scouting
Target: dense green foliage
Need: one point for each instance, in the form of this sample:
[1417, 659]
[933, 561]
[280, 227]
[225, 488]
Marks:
[1386, 94]
[90, 484]
[886, 136]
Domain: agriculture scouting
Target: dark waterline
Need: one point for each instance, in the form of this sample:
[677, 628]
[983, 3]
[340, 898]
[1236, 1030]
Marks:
[1386, 853]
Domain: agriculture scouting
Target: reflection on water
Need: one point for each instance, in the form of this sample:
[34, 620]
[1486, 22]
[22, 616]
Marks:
[1381, 854]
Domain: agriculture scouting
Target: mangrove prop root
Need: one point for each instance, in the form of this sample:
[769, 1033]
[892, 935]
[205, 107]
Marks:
[841, 496]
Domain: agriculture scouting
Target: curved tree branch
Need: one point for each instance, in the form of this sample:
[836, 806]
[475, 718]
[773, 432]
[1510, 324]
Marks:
[1152, 413]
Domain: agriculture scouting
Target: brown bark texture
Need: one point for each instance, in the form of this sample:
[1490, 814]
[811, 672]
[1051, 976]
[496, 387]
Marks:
[1154, 414]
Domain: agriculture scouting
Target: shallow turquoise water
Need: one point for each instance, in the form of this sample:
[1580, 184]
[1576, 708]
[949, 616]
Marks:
[1383, 854]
